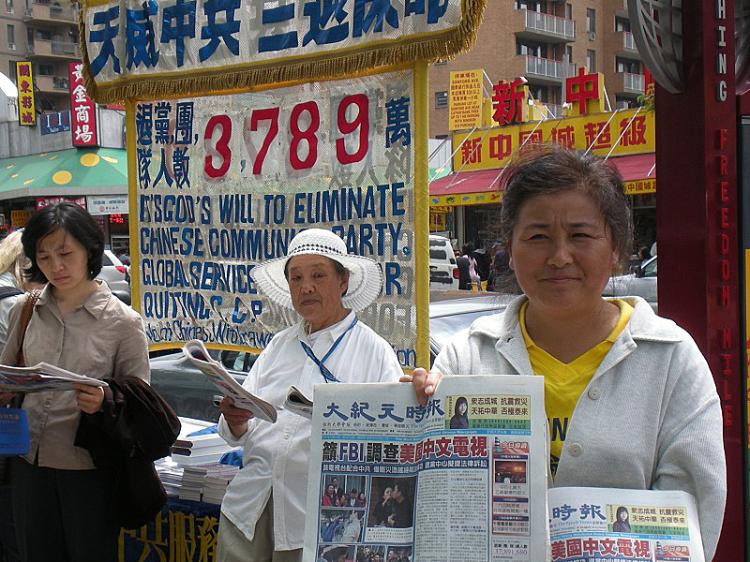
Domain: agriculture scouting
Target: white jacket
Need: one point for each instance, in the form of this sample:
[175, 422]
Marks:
[650, 417]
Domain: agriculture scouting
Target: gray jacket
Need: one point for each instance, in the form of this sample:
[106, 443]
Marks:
[650, 417]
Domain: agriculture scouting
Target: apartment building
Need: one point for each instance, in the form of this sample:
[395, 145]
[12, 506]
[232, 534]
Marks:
[46, 33]
[546, 41]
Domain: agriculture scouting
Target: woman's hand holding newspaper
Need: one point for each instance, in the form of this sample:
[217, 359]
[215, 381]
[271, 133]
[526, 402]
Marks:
[235, 417]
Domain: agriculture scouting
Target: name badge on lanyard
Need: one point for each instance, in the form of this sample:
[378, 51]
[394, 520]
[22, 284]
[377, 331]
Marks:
[14, 432]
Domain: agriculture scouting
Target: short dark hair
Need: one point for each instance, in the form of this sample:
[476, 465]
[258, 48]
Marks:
[544, 169]
[74, 220]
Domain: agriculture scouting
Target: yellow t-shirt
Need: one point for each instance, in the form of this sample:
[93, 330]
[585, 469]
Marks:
[565, 382]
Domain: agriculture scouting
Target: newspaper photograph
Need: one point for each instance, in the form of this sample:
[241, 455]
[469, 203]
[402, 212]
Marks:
[41, 376]
[197, 354]
[462, 478]
[588, 524]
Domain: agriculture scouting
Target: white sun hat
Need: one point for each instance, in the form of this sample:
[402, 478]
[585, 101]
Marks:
[365, 275]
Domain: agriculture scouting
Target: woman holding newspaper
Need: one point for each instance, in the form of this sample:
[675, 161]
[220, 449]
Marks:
[263, 512]
[62, 504]
[566, 225]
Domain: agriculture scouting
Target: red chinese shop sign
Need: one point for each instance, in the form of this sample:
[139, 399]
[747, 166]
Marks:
[82, 109]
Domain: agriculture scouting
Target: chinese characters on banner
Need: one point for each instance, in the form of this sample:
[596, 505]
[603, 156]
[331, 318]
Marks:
[225, 182]
[171, 40]
[26, 102]
[465, 100]
[82, 109]
[492, 148]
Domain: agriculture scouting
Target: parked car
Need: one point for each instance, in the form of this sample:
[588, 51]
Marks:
[443, 269]
[642, 283]
[115, 273]
[192, 395]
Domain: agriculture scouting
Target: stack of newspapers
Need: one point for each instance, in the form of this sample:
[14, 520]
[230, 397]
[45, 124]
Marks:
[199, 449]
[207, 483]
[170, 474]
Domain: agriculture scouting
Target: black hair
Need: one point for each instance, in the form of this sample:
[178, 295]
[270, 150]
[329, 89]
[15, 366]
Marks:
[74, 220]
[461, 400]
[622, 509]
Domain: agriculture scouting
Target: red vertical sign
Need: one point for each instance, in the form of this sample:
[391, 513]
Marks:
[82, 109]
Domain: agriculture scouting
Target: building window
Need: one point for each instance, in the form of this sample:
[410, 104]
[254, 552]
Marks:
[622, 24]
[531, 49]
[9, 6]
[569, 11]
[568, 53]
[590, 20]
[11, 37]
[46, 70]
[627, 65]
[532, 5]
[591, 61]
[441, 99]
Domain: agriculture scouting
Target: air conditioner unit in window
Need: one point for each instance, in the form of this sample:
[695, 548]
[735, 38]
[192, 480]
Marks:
[592, 35]
[12, 46]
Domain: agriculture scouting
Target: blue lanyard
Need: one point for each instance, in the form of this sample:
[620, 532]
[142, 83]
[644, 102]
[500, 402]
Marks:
[327, 374]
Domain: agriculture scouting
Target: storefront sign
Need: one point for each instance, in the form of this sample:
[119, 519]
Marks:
[629, 131]
[337, 155]
[19, 218]
[585, 92]
[174, 47]
[639, 187]
[465, 100]
[107, 204]
[42, 202]
[463, 199]
[82, 109]
[510, 102]
[55, 122]
[26, 102]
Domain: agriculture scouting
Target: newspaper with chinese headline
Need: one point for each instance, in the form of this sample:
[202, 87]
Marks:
[623, 525]
[463, 478]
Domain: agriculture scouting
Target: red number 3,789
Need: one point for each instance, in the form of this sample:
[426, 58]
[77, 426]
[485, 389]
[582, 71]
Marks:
[304, 123]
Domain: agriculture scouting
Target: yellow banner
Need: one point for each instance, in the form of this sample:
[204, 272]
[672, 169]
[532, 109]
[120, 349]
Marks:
[462, 199]
[639, 187]
[465, 101]
[492, 148]
[26, 102]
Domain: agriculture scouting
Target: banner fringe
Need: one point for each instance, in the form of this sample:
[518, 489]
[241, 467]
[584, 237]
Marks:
[442, 46]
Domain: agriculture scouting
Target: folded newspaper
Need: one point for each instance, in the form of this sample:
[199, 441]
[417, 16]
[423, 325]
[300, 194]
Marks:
[198, 356]
[623, 525]
[297, 402]
[41, 376]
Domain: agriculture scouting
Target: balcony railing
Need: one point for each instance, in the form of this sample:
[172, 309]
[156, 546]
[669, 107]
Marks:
[42, 11]
[555, 109]
[59, 83]
[549, 68]
[633, 82]
[550, 24]
[628, 42]
[65, 48]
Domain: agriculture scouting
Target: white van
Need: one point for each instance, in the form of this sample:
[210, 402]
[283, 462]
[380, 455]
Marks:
[443, 269]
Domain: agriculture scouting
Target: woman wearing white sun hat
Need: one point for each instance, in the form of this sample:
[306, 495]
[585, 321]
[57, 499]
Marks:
[263, 512]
